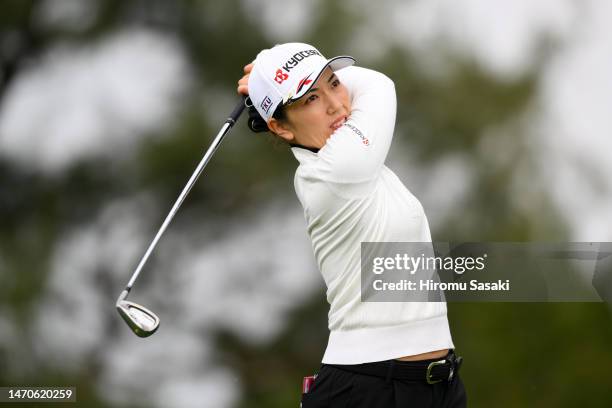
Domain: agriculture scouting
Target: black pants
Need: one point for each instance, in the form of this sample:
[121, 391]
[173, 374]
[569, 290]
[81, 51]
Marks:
[339, 388]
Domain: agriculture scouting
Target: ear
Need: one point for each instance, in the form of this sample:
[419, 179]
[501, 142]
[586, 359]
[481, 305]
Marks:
[281, 129]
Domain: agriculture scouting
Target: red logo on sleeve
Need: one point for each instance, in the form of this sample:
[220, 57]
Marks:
[358, 132]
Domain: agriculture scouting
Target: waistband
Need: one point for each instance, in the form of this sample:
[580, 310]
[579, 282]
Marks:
[430, 371]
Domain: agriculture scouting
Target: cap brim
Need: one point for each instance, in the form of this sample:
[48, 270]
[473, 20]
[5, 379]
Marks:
[335, 64]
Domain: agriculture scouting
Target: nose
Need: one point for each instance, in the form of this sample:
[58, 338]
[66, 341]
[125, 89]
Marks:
[335, 104]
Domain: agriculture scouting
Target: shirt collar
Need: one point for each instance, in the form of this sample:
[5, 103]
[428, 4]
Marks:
[303, 154]
[312, 149]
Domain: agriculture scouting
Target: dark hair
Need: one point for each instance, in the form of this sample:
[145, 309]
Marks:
[257, 124]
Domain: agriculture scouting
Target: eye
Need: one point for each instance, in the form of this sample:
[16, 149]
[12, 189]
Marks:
[310, 99]
[335, 83]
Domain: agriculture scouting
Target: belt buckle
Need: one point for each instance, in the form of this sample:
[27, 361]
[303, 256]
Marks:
[430, 367]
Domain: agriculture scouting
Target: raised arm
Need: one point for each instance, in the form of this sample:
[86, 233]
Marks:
[356, 152]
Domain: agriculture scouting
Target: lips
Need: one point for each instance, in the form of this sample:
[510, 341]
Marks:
[338, 122]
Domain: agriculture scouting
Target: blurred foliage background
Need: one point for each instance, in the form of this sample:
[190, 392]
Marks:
[106, 107]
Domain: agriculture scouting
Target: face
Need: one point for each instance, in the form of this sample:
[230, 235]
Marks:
[313, 118]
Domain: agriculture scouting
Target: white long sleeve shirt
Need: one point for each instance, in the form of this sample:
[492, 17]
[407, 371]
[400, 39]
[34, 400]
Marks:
[349, 196]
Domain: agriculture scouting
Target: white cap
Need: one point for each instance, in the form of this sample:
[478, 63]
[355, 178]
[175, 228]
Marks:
[285, 73]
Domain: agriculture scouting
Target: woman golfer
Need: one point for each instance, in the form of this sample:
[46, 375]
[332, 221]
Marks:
[339, 121]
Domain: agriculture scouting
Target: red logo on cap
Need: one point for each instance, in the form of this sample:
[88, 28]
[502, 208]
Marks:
[280, 76]
[305, 81]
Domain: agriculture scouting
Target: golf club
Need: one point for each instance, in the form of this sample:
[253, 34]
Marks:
[141, 320]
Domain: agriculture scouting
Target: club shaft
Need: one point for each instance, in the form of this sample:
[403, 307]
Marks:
[194, 177]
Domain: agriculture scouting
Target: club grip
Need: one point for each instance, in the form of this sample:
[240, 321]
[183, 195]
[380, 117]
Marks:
[238, 109]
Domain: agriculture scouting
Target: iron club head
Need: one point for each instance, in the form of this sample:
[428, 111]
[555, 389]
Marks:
[141, 320]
